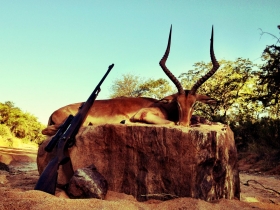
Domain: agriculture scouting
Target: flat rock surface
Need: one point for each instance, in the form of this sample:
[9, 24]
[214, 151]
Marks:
[16, 192]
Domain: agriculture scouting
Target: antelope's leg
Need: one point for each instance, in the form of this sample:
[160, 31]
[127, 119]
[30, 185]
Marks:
[51, 130]
[151, 116]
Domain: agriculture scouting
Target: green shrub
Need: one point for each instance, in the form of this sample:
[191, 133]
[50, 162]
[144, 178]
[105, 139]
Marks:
[19, 124]
[261, 137]
[5, 131]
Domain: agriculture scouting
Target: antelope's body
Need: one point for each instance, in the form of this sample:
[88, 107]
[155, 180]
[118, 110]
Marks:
[103, 111]
[175, 109]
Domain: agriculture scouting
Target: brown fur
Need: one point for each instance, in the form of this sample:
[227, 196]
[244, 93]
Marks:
[145, 110]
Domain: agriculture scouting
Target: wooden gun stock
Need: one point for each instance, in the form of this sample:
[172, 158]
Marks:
[64, 137]
[48, 179]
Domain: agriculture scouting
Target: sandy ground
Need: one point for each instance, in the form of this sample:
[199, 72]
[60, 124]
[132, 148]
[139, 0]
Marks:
[16, 191]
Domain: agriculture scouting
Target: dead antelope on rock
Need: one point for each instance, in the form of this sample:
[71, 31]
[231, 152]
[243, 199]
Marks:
[175, 109]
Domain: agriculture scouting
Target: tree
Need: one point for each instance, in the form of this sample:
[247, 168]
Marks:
[20, 124]
[125, 86]
[269, 76]
[232, 86]
[5, 110]
[132, 86]
[155, 88]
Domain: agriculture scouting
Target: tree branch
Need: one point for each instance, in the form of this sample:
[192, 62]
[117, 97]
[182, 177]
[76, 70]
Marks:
[263, 32]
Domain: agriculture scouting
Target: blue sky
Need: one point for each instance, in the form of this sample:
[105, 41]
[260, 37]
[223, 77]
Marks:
[54, 53]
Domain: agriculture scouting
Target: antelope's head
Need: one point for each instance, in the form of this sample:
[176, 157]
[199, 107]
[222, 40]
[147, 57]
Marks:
[186, 98]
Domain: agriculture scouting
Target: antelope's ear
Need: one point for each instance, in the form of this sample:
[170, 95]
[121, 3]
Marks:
[167, 99]
[164, 101]
[205, 99]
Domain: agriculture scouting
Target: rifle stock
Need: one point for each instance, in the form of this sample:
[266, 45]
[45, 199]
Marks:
[48, 179]
[63, 138]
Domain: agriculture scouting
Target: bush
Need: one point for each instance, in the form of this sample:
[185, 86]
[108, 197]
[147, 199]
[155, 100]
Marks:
[261, 137]
[19, 124]
[5, 131]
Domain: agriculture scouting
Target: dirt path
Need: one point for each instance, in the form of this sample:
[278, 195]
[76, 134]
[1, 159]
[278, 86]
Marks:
[259, 188]
[16, 191]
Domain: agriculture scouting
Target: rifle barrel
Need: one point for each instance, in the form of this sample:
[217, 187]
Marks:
[48, 179]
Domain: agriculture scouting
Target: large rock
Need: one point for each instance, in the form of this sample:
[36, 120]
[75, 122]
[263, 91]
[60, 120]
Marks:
[149, 161]
[87, 183]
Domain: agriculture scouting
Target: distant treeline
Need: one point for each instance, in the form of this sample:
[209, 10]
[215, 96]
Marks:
[14, 123]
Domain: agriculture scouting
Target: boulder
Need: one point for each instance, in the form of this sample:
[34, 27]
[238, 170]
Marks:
[87, 183]
[151, 161]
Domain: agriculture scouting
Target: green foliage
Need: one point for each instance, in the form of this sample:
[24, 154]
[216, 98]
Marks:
[5, 131]
[259, 136]
[155, 88]
[125, 86]
[270, 76]
[15, 123]
[232, 86]
[131, 86]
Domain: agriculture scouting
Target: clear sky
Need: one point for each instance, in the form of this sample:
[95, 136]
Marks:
[53, 53]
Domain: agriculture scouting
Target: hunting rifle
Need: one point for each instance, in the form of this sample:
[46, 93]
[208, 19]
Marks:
[63, 139]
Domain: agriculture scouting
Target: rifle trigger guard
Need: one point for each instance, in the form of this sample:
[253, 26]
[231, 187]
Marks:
[70, 144]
